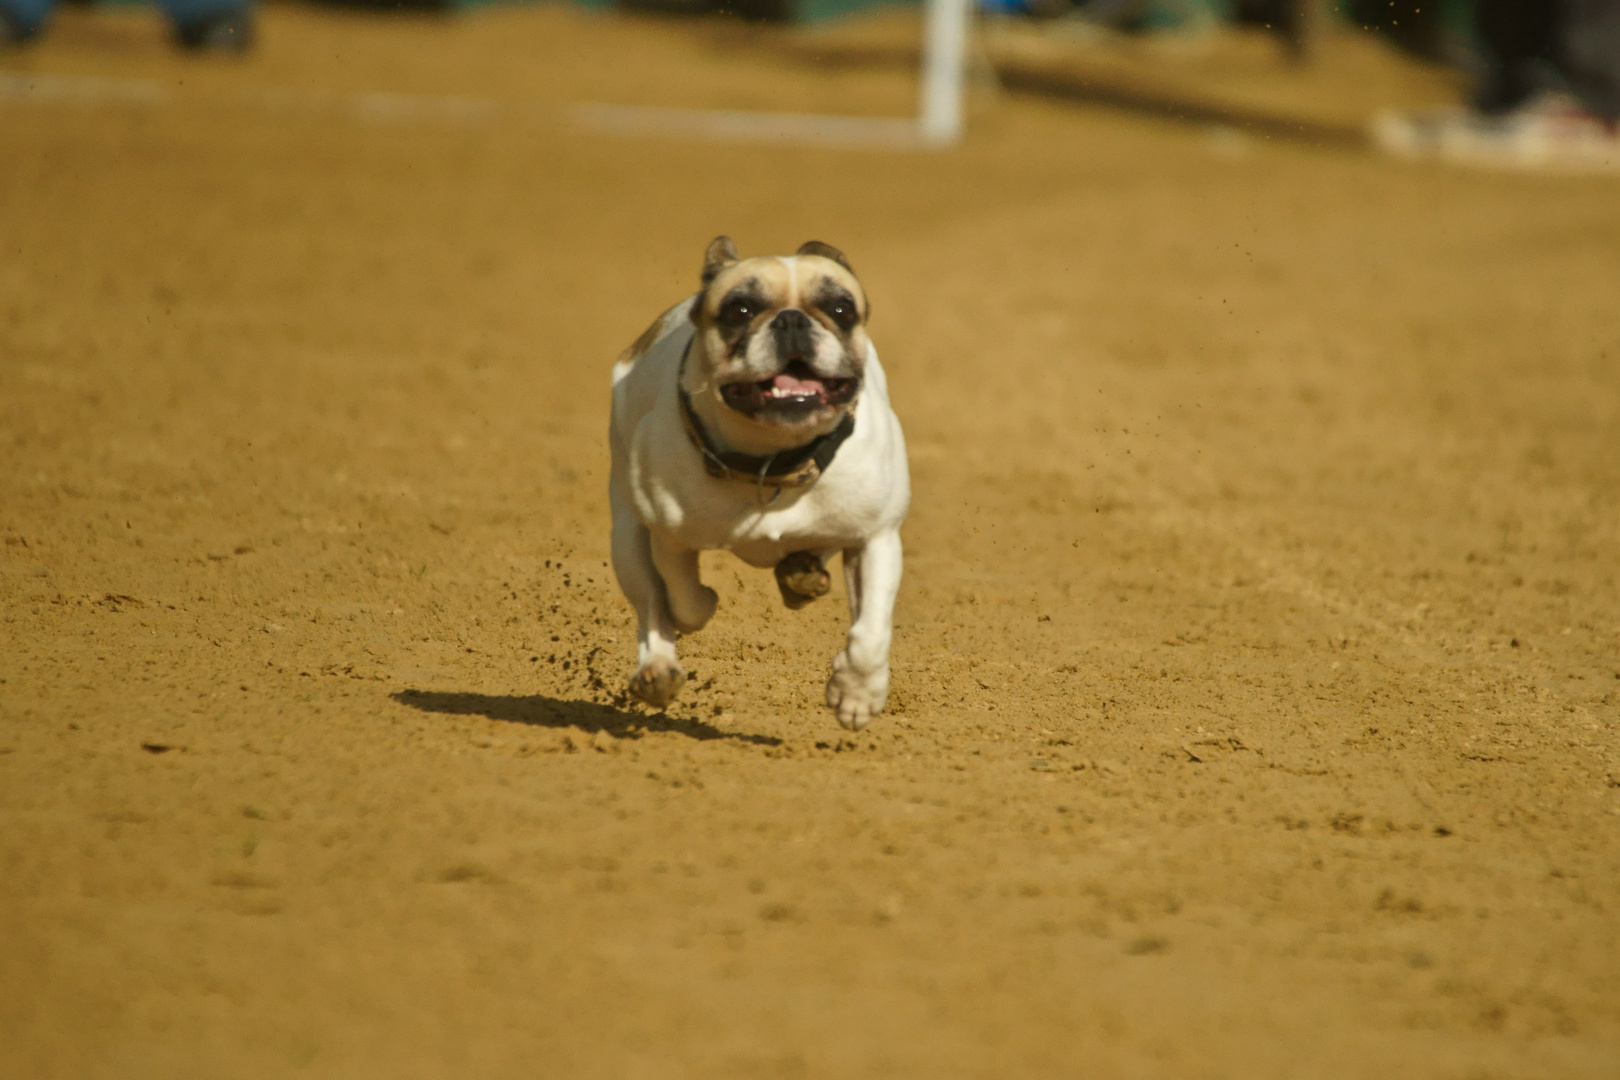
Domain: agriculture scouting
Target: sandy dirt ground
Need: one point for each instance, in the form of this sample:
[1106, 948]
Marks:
[1257, 668]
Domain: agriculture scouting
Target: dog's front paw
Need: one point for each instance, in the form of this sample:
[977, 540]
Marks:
[692, 617]
[854, 696]
[802, 578]
[657, 682]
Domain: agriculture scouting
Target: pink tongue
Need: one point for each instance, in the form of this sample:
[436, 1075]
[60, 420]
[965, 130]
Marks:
[797, 386]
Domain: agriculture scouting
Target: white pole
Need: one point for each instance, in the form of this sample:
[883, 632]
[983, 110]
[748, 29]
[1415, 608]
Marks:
[944, 45]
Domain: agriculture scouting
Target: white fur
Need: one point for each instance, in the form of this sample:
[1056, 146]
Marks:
[666, 509]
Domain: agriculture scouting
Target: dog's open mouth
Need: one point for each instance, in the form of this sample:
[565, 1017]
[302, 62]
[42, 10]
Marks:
[795, 394]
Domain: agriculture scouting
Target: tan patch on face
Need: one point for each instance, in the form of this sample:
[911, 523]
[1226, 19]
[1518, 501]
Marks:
[775, 284]
[778, 286]
[768, 277]
[817, 276]
[764, 280]
[813, 270]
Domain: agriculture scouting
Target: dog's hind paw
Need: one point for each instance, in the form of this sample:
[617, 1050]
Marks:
[657, 682]
[802, 578]
[854, 697]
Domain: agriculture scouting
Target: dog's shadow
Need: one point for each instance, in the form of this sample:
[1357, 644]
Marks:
[588, 716]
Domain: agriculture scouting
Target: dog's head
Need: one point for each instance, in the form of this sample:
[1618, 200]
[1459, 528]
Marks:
[782, 339]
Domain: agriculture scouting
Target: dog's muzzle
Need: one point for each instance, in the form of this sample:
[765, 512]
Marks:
[797, 392]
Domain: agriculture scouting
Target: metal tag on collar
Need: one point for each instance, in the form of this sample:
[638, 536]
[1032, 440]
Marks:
[759, 487]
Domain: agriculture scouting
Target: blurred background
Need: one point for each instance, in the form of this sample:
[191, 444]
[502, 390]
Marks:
[1254, 705]
[1494, 82]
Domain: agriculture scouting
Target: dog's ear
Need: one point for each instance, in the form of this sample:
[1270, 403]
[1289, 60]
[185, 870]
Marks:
[826, 251]
[722, 252]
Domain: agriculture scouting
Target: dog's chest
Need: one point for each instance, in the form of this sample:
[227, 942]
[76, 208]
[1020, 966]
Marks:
[673, 494]
[762, 534]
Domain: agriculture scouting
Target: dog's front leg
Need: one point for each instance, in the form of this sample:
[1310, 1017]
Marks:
[659, 675]
[859, 686]
[691, 603]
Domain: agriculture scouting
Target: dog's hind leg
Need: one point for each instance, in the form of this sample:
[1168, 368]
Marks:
[659, 675]
[691, 603]
[802, 577]
[859, 686]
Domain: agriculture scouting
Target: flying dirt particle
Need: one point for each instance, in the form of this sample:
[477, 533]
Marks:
[779, 912]
[241, 880]
[155, 748]
[1389, 901]
[1346, 823]
[1144, 946]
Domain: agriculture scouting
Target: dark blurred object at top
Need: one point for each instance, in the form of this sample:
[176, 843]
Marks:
[409, 6]
[203, 25]
[1294, 21]
[775, 11]
[1531, 47]
[1436, 29]
[1546, 92]
[1433, 29]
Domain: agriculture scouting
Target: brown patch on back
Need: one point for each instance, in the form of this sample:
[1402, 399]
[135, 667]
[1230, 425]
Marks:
[639, 347]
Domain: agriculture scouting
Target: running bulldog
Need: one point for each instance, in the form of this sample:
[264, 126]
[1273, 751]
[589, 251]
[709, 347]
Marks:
[754, 417]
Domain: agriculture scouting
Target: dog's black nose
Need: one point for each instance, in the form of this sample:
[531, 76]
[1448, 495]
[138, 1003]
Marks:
[791, 328]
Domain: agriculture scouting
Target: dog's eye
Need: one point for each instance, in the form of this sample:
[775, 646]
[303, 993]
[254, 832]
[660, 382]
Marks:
[842, 311]
[737, 311]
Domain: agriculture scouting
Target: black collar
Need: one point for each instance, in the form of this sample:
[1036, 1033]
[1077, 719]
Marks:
[797, 466]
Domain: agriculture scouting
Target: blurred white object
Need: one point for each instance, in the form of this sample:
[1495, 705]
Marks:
[939, 107]
[1552, 132]
[940, 95]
